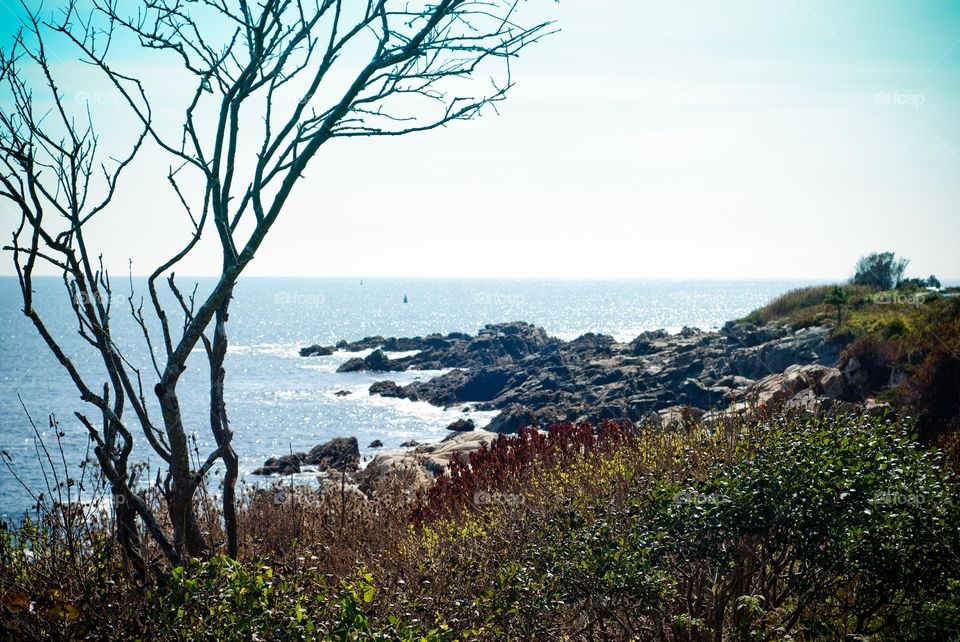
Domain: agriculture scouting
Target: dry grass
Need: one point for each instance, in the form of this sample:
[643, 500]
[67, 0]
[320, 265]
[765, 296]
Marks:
[805, 306]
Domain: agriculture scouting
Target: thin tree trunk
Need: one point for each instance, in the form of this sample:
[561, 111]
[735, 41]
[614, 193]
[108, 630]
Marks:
[187, 538]
[220, 425]
[128, 535]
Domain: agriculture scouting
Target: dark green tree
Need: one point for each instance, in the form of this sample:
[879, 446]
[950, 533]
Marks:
[881, 270]
[837, 296]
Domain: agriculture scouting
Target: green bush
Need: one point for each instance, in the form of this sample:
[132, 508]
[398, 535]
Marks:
[810, 529]
[222, 598]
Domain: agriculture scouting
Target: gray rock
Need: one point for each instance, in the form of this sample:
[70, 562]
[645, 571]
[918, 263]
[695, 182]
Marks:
[833, 385]
[340, 453]
[513, 419]
[386, 389]
[286, 465]
[316, 351]
[462, 425]
[376, 361]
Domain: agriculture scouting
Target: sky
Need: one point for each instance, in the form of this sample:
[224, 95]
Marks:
[777, 139]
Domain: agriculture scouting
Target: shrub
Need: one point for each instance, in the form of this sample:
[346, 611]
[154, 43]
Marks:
[221, 598]
[932, 392]
[508, 461]
[812, 529]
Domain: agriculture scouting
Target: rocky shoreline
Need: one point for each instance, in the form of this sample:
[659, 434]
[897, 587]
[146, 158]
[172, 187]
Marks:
[533, 379]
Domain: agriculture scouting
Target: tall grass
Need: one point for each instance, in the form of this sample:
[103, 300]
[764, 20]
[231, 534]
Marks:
[805, 306]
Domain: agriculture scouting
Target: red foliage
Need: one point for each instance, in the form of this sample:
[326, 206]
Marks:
[505, 463]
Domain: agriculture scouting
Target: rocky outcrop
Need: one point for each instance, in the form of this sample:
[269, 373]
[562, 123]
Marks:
[386, 389]
[660, 380]
[518, 369]
[462, 425]
[376, 361]
[316, 351]
[286, 465]
[515, 417]
[419, 466]
[340, 454]
[500, 344]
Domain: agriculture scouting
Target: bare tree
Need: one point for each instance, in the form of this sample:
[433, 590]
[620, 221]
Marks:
[283, 77]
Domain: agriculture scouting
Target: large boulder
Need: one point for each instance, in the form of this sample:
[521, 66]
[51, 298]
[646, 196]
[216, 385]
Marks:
[340, 453]
[774, 391]
[376, 361]
[649, 342]
[807, 346]
[417, 468]
[386, 389]
[366, 343]
[457, 446]
[863, 378]
[515, 417]
[484, 384]
[316, 351]
[286, 465]
[694, 393]
[386, 469]
[832, 385]
[394, 344]
[462, 425]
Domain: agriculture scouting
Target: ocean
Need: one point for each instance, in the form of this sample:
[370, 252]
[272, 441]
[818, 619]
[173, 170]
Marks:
[279, 402]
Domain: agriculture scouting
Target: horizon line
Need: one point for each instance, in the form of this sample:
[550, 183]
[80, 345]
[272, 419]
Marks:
[423, 277]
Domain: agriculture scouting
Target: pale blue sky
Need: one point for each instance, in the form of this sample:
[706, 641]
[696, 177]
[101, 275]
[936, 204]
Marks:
[670, 139]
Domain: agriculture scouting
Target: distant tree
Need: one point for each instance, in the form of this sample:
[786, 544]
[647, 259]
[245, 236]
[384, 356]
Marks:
[837, 296]
[881, 270]
[933, 282]
[283, 76]
[911, 284]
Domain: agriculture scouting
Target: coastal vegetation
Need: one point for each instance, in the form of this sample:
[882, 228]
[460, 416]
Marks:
[907, 339]
[791, 475]
[822, 506]
[806, 528]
